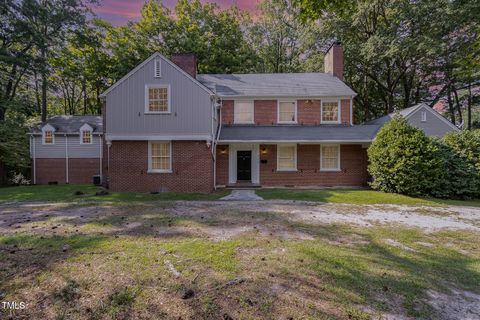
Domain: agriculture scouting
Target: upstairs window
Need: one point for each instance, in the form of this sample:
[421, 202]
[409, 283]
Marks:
[287, 112]
[330, 111]
[330, 158]
[48, 137]
[157, 68]
[286, 157]
[160, 156]
[157, 99]
[243, 112]
[86, 137]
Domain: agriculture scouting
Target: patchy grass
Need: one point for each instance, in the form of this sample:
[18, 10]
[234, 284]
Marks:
[358, 196]
[86, 194]
[121, 268]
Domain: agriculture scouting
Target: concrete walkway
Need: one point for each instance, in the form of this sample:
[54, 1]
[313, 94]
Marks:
[242, 195]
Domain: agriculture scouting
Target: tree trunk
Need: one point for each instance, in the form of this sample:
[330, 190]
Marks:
[450, 105]
[84, 90]
[37, 94]
[457, 102]
[44, 85]
[469, 107]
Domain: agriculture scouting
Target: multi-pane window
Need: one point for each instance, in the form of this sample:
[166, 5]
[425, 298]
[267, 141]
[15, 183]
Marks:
[330, 111]
[86, 137]
[48, 137]
[158, 100]
[287, 158]
[160, 156]
[243, 112]
[287, 111]
[330, 158]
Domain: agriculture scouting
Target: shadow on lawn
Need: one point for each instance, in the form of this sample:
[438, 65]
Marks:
[285, 274]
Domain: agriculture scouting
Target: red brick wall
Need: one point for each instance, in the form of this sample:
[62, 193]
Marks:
[222, 165]
[353, 166]
[345, 111]
[227, 112]
[192, 166]
[308, 113]
[265, 112]
[80, 171]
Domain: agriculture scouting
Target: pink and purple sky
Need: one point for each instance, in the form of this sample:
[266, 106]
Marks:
[119, 12]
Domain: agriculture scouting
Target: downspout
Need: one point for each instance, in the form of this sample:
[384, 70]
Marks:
[34, 160]
[101, 156]
[66, 159]
[219, 128]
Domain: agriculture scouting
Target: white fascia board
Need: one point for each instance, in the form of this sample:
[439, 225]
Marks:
[112, 137]
[295, 141]
[280, 97]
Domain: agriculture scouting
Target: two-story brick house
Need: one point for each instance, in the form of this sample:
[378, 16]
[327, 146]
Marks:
[168, 129]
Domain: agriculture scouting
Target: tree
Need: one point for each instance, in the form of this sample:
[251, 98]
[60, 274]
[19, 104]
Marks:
[282, 42]
[396, 51]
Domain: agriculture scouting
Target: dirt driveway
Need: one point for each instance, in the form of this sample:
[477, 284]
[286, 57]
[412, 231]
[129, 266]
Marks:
[264, 259]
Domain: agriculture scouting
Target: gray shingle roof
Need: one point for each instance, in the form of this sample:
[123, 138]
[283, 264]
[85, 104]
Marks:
[337, 133]
[71, 124]
[275, 85]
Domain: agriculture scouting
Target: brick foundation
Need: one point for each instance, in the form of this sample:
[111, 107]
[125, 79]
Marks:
[80, 170]
[353, 164]
[192, 166]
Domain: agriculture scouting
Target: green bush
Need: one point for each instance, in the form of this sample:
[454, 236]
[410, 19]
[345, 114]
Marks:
[467, 144]
[460, 179]
[402, 159]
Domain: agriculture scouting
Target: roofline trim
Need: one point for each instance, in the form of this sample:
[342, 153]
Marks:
[134, 70]
[225, 97]
[113, 137]
[296, 141]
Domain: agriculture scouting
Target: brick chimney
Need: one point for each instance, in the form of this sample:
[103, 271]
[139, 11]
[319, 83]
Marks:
[334, 60]
[187, 62]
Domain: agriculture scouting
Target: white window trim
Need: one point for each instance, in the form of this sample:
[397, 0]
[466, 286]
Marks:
[338, 169]
[148, 86]
[48, 128]
[235, 121]
[278, 157]
[278, 111]
[338, 101]
[423, 115]
[157, 68]
[84, 128]
[150, 170]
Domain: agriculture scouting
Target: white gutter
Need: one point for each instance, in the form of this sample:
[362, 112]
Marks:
[66, 159]
[101, 157]
[296, 141]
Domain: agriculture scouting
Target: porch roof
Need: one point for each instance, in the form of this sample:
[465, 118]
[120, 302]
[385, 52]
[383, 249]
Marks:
[298, 133]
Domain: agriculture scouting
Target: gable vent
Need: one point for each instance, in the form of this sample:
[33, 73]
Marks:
[157, 73]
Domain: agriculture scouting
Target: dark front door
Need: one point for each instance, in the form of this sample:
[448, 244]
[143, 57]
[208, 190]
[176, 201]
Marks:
[244, 165]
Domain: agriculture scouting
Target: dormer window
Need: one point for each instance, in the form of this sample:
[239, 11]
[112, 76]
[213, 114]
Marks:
[86, 134]
[331, 111]
[157, 68]
[48, 134]
[48, 137]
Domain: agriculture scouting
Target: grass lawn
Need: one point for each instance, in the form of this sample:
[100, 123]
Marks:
[66, 193]
[165, 261]
[358, 196]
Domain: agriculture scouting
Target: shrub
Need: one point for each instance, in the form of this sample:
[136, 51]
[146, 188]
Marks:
[460, 178]
[467, 144]
[404, 160]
